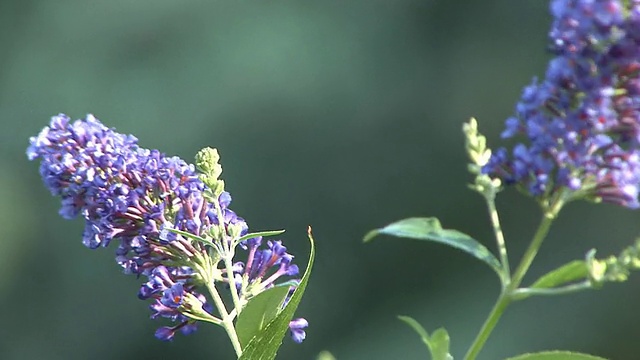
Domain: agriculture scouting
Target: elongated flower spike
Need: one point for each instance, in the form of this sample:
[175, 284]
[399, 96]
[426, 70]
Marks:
[581, 122]
[479, 154]
[172, 224]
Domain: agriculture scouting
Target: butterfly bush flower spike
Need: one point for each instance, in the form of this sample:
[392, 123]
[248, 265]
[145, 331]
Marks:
[171, 224]
[579, 127]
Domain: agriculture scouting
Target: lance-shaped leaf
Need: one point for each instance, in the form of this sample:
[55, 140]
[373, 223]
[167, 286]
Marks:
[259, 311]
[260, 233]
[567, 273]
[189, 235]
[556, 355]
[265, 345]
[431, 230]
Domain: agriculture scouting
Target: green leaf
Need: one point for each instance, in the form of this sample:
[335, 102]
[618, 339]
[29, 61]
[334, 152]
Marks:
[325, 355]
[569, 272]
[424, 335]
[208, 242]
[556, 355]
[258, 312]
[288, 283]
[438, 343]
[265, 345]
[260, 233]
[190, 236]
[430, 229]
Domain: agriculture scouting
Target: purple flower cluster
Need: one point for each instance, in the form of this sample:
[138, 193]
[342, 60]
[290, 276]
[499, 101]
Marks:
[167, 288]
[582, 121]
[130, 194]
[259, 262]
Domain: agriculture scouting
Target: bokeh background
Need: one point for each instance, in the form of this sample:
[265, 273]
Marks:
[345, 115]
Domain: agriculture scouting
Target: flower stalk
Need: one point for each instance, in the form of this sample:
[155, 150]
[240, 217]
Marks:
[172, 223]
[507, 295]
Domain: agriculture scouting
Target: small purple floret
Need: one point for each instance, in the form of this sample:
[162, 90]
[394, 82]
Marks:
[165, 333]
[172, 297]
[296, 327]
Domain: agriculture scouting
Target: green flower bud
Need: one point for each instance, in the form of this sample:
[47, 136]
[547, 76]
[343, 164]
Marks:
[479, 154]
[207, 162]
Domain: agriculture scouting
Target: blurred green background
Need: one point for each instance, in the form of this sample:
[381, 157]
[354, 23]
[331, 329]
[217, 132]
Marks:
[345, 115]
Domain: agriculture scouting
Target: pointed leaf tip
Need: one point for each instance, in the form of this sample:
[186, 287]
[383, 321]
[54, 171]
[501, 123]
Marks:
[265, 345]
[430, 229]
[440, 345]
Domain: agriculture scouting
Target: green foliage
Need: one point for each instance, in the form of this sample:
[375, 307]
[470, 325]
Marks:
[191, 236]
[437, 343]
[572, 271]
[260, 233]
[258, 312]
[431, 230]
[556, 355]
[325, 355]
[265, 345]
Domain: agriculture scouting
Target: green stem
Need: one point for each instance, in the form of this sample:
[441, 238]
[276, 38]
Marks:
[488, 326]
[227, 319]
[227, 255]
[232, 285]
[502, 247]
[506, 294]
[532, 251]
